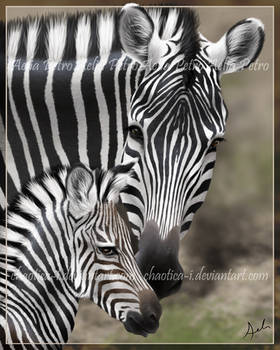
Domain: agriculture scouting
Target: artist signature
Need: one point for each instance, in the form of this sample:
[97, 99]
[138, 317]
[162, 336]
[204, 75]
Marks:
[252, 332]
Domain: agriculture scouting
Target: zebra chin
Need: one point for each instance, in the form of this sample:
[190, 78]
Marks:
[147, 321]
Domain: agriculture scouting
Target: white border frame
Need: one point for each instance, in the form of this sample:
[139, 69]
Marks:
[273, 167]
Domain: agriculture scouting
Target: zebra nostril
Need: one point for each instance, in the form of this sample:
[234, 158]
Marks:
[153, 317]
[150, 307]
[147, 320]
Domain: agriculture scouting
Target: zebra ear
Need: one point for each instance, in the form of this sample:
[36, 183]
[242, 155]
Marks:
[137, 33]
[115, 181]
[78, 185]
[239, 47]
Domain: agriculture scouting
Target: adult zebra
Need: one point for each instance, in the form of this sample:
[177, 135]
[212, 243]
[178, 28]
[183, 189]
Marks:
[67, 238]
[84, 98]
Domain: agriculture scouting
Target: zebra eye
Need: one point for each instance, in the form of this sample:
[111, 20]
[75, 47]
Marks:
[108, 251]
[136, 133]
[216, 142]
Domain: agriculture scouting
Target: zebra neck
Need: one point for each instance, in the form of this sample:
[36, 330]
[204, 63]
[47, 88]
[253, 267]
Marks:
[39, 292]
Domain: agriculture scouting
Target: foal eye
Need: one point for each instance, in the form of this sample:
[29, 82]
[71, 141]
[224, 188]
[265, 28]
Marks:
[216, 142]
[108, 251]
[135, 132]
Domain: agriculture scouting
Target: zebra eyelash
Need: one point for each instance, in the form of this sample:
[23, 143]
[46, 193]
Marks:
[220, 139]
[216, 142]
[108, 251]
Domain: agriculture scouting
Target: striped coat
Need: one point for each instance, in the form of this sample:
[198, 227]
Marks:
[126, 85]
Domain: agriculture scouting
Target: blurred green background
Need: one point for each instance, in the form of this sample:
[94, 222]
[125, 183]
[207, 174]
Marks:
[232, 230]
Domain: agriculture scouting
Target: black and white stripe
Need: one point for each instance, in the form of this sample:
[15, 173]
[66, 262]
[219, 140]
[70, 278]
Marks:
[66, 240]
[68, 94]
[177, 113]
[84, 113]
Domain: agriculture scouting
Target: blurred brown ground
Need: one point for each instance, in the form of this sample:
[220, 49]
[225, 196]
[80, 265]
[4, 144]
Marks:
[233, 229]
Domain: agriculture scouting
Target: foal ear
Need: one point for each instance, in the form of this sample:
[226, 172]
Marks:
[136, 30]
[78, 185]
[239, 47]
[115, 181]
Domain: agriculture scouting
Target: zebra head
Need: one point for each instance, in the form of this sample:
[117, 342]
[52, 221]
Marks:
[177, 118]
[104, 268]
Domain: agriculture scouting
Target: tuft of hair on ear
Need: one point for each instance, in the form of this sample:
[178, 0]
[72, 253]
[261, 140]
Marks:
[79, 182]
[136, 29]
[244, 41]
[114, 181]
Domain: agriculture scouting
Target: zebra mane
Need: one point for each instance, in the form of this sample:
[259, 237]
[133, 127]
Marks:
[24, 207]
[110, 183]
[49, 180]
[60, 31]
[168, 20]
[32, 198]
[85, 34]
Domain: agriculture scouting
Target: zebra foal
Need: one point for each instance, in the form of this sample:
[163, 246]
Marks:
[67, 239]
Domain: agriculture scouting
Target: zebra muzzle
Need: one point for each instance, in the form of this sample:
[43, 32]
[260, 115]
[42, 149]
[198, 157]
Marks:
[147, 321]
[158, 260]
